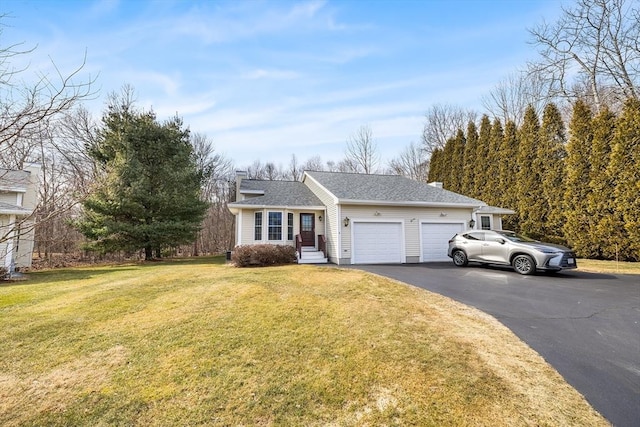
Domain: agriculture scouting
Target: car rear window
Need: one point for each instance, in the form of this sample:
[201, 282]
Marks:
[474, 236]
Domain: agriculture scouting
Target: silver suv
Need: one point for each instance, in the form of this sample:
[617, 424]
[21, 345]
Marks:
[508, 248]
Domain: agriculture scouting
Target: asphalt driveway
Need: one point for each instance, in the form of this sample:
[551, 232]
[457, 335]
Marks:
[586, 325]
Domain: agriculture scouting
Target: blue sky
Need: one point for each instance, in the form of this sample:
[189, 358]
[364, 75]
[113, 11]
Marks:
[268, 79]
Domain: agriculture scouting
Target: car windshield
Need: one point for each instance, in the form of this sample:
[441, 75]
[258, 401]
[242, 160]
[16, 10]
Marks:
[514, 237]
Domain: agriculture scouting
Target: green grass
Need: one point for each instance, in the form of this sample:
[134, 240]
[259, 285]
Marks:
[614, 267]
[197, 342]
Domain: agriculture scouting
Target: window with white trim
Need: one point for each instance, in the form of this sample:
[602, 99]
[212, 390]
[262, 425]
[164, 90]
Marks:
[290, 226]
[275, 226]
[485, 222]
[257, 227]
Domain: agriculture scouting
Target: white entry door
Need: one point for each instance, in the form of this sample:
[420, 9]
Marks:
[377, 243]
[435, 239]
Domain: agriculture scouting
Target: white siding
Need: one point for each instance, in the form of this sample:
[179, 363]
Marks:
[410, 216]
[332, 219]
[10, 198]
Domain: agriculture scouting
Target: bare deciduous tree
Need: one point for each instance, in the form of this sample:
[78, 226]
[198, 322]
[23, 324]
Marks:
[24, 106]
[412, 163]
[295, 169]
[361, 154]
[273, 172]
[313, 164]
[509, 99]
[442, 123]
[217, 233]
[597, 40]
[33, 103]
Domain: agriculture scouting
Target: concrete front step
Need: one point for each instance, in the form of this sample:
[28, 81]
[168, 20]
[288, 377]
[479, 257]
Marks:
[311, 256]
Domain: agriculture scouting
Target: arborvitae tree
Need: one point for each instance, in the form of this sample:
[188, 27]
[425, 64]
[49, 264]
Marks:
[508, 169]
[148, 197]
[470, 156]
[577, 174]
[482, 161]
[434, 166]
[493, 191]
[529, 178]
[446, 163]
[600, 195]
[457, 159]
[550, 161]
[625, 169]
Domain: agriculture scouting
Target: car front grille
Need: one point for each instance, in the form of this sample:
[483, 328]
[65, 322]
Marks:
[566, 258]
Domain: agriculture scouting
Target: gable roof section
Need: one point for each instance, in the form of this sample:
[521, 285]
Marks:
[13, 180]
[282, 194]
[352, 188]
[9, 209]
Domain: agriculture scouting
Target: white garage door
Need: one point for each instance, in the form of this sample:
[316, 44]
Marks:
[435, 240]
[377, 242]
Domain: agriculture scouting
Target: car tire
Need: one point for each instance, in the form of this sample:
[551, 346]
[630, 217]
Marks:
[460, 259]
[524, 264]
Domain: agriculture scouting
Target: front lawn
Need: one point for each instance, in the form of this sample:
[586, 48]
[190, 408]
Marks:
[614, 267]
[197, 342]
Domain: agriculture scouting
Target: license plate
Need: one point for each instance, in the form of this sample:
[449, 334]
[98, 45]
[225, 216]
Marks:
[571, 261]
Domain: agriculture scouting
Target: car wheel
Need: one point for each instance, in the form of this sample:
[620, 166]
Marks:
[524, 264]
[460, 259]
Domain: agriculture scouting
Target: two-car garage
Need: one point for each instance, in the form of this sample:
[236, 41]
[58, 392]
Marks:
[382, 242]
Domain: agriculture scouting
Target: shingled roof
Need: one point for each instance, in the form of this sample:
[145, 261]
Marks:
[13, 180]
[387, 189]
[277, 193]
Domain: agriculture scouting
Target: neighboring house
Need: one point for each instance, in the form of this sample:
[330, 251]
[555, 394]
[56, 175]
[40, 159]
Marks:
[18, 200]
[357, 218]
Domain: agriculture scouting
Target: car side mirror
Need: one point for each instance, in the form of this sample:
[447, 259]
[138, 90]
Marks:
[501, 241]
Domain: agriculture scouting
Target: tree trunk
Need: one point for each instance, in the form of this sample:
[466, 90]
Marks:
[148, 253]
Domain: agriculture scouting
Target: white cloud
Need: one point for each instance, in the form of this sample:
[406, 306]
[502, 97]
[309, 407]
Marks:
[270, 74]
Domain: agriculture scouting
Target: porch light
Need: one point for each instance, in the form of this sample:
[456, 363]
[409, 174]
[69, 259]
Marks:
[472, 223]
[319, 217]
[346, 221]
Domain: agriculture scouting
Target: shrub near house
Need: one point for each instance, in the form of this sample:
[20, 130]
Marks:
[263, 255]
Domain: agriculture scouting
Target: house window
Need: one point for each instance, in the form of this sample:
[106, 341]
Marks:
[485, 222]
[257, 234]
[290, 226]
[275, 226]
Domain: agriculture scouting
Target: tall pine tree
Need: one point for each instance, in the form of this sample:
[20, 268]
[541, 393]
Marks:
[148, 196]
[457, 162]
[482, 161]
[624, 168]
[577, 174]
[529, 179]
[600, 194]
[550, 162]
[469, 159]
[435, 169]
[446, 163]
[493, 191]
[508, 169]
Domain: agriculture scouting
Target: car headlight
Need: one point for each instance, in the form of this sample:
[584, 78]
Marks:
[548, 250]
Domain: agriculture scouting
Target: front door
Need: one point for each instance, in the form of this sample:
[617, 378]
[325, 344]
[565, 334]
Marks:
[308, 229]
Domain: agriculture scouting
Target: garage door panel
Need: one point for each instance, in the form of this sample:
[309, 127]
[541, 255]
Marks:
[377, 242]
[435, 240]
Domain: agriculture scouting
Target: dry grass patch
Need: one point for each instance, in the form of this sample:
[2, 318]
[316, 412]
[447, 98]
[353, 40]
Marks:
[615, 267]
[197, 343]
